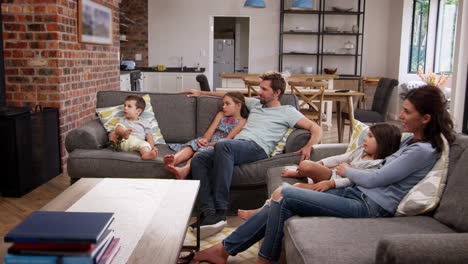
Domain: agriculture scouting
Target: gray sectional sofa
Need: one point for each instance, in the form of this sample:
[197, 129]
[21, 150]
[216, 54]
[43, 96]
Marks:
[438, 237]
[181, 119]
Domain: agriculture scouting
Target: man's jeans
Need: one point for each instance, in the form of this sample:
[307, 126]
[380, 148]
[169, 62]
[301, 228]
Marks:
[214, 169]
[269, 221]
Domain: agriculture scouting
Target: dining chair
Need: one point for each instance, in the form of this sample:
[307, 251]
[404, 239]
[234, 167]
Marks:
[203, 81]
[380, 104]
[368, 85]
[310, 94]
[250, 84]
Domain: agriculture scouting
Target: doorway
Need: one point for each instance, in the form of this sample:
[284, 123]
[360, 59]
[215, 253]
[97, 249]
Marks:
[231, 38]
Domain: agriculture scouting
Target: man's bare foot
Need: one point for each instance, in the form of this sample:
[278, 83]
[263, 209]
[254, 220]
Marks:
[246, 214]
[169, 160]
[149, 155]
[180, 173]
[290, 173]
[215, 254]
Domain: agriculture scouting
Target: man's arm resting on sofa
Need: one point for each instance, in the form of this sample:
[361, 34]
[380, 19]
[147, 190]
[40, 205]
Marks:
[423, 248]
[315, 136]
[91, 135]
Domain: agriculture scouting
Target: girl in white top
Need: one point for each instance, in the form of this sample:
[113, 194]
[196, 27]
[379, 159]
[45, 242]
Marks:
[381, 141]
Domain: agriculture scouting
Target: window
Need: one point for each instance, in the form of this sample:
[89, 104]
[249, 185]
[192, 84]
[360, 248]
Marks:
[419, 35]
[432, 45]
[445, 40]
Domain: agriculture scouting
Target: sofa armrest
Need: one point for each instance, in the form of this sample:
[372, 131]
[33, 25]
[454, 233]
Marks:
[296, 140]
[322, 151]
[91, 135]
[423, 248]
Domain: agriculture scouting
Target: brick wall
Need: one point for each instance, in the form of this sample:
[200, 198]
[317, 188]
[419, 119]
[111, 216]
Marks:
[135, 29]
[45, 64]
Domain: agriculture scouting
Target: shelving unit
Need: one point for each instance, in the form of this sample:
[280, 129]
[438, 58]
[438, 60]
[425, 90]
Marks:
[316, 38]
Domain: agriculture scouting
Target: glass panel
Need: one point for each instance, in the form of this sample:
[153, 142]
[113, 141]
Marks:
[419, 35]
[446, 28]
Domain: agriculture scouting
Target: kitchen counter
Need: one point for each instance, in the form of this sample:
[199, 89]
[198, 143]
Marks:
[171, 69]
[253, 75]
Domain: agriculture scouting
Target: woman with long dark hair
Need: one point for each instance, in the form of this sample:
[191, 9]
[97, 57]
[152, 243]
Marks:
[375, 194]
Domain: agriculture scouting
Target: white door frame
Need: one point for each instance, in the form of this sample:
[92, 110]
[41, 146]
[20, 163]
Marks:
[211, 41]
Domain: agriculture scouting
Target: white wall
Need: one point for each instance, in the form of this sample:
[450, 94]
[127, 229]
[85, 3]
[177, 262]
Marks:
[376, 37]
[182, 28]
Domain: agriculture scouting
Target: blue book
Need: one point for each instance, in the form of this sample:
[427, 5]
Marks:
[61, 227]
[27, 259]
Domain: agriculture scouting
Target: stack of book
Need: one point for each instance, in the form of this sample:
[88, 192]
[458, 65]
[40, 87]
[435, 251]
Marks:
[63, 237]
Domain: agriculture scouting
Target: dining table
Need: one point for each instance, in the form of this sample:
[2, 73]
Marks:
[336, 96]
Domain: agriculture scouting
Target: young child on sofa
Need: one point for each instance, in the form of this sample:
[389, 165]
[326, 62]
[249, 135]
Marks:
[381, 141]
[225, 125]
[135, 132]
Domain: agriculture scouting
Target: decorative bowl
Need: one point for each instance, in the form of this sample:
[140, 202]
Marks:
[307, 69]
[331, 29]
[341, 9]
[330, 70]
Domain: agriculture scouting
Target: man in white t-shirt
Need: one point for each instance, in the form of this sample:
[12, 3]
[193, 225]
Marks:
[267, 122]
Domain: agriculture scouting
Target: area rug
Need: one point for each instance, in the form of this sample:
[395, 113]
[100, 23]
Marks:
[248, 256]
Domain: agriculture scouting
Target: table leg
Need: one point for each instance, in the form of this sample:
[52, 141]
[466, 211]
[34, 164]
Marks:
[351, 115]
[339, 121]
[197, 247]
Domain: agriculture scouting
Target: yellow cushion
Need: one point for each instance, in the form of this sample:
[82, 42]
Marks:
[282, 143]
[357, 137]
[110, 116]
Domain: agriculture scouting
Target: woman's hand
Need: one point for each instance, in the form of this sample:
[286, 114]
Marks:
[340, 169]
[203, 142]
[323, 186]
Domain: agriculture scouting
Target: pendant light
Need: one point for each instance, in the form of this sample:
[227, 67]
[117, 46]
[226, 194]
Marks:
[302, 4]
[255, 3]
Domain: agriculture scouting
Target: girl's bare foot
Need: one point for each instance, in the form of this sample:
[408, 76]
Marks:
[149, 155]
[290, 173]
[169, 160]
[215, 254]
[180, 173]
[246, 214]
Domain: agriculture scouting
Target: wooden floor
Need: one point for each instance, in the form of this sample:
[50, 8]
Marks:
[14, 210]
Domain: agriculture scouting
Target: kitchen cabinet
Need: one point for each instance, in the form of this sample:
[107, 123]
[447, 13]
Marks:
[125, 82]
[150, 81]
[169, 82]
[329, 36]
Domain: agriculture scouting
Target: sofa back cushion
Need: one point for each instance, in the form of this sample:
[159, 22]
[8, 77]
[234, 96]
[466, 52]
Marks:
[453, 208]
[176, 113]
[208, 106]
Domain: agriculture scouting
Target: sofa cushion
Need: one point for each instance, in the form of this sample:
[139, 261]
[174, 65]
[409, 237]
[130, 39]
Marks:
[208, 107]
[425, 195]
[275, 180]
[176, 113]
[345, 240]
[111, 116]
[453, 208]
[105, 163]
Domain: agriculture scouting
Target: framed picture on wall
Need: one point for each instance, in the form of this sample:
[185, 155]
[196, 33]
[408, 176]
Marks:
[94, 23]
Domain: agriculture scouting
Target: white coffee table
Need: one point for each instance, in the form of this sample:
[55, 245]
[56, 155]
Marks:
[151, 215]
